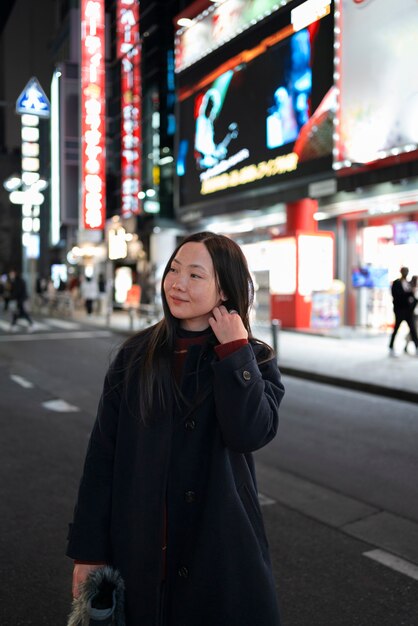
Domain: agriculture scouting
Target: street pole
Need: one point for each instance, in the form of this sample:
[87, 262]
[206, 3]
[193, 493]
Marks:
[32, 104]
[275, 328]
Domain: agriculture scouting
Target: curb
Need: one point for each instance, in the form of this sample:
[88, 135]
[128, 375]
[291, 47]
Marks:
[356, 385]
[326, 379]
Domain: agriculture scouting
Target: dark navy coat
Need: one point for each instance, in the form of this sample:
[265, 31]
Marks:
[198, 466]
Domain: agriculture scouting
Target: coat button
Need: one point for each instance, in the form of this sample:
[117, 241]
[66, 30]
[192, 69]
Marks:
[190, 424]
[246, 375]
[190, 496]
[183, 572]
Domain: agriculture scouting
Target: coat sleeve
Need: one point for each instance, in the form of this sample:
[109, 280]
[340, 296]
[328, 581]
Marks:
[247, 398]
[89, 534]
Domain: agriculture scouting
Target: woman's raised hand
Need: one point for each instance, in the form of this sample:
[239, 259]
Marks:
[227, 325]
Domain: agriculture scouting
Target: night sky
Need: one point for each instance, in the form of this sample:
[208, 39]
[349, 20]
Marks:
[26, 39]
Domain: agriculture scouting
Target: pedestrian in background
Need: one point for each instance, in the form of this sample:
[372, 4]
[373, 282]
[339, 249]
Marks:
[168, 495]
[414, 290]
[51, 295]
[19, 295]
[41, 291]
[74, 291]
[102, 295]
[404, 302]
[89, 292]
[6, 292]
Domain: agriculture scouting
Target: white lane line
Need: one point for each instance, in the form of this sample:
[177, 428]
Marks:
[46, 336]
[265, 500]
[63, 324]
[21, 381]
[393, 562]
[60, 406]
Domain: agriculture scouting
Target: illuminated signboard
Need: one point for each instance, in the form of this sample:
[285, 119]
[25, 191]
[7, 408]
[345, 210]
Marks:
[260, 117]
[405, 233]
[118, 248]
[129, 52]
[375, 71]
[31, 104]
[93, 169]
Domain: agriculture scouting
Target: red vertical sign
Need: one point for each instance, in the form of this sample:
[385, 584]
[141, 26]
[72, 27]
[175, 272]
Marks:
[93, 165]
[129, 53]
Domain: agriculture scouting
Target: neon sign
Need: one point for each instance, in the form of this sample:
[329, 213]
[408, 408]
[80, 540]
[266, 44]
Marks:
[129, 53]
[93, 171]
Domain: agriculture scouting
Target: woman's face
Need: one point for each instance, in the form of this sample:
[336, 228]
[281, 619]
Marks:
[190, 287]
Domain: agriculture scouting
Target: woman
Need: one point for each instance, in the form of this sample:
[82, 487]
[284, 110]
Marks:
[168, 495]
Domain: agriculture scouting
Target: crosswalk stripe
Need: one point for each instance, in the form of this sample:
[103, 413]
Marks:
[5, 325]
[89, 334]
[40, 326]
[63, 324]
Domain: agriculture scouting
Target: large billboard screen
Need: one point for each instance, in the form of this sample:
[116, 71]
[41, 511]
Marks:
[377, 80]
[260, 117]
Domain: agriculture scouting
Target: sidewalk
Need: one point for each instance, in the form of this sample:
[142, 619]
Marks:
[352, 358]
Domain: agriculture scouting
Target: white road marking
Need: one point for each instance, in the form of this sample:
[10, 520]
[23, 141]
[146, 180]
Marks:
[61, 406]
[46, 336]
[265, 500]
[64, 324]
[40, 326]
[394, 562]
[21, 381]
[4, 325]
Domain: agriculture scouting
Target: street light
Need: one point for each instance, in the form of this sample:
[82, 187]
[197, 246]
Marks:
[26, 191]
[32, 105]
[28, 196]
[40, 185]
[12, 183]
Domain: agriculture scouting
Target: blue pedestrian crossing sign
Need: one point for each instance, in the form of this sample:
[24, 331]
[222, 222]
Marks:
[33, 100]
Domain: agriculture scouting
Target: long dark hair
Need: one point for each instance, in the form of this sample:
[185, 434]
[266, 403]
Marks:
[233, 279]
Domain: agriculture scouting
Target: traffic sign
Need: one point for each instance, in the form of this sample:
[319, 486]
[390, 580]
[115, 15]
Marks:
[33, 100]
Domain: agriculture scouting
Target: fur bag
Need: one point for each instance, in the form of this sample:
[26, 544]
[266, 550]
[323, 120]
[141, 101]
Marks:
[101, 600]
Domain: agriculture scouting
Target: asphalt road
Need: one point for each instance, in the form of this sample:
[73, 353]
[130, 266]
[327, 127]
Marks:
[358, 444]
[339, 482]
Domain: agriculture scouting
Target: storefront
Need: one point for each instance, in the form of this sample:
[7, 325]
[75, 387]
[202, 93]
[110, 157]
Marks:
[375, 153]
[318, 148]
[377, 234]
